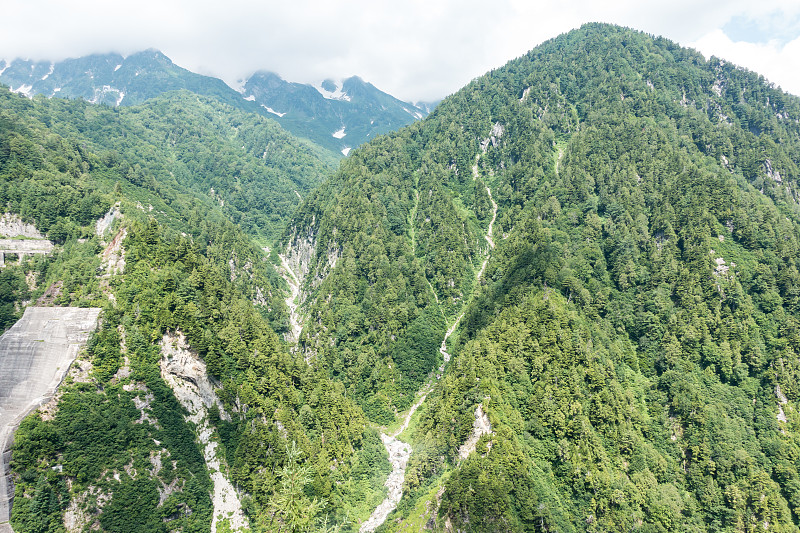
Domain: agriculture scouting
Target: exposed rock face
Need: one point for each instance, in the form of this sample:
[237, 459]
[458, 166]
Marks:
[12, 226]
[113, 258]
[300, 253]
[35, 354]
[17, 237]
[494, 137]
[186, 374]
[480, 427]
[296, 267]
[104, 224]
[292, 302]
[782, 401]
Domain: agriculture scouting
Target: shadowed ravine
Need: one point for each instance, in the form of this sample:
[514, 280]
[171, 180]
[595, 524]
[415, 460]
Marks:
[399, 451]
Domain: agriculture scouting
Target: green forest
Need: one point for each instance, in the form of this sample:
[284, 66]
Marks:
[605, 232]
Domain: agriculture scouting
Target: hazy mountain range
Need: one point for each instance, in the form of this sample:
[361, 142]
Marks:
[337, 116]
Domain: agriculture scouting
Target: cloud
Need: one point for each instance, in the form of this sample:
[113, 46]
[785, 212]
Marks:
[416, 50]
[779, 63]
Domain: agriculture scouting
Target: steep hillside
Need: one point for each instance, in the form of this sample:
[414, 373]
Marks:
[182, 148]
[628, 357]
[188, 298]
[567, 300]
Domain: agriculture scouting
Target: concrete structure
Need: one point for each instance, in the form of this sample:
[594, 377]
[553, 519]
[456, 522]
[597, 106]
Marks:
[35, 355]
[23, 247]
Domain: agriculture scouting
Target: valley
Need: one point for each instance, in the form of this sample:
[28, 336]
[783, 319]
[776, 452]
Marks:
[566, 299]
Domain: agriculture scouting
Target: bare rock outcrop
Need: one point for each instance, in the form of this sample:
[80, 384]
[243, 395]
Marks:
[480, 427]
[186, 374]
[12, 226]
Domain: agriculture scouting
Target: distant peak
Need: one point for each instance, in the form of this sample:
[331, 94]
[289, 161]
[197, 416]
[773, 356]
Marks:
[265, 75]
[150, 53]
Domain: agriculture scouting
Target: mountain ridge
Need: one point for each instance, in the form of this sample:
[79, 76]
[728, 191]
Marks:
[576, 282]
[118, 80]
[629, 174]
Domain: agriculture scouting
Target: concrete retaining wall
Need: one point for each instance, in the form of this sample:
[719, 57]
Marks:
[35, 355]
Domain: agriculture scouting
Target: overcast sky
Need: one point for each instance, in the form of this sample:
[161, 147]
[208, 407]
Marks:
[415, 49]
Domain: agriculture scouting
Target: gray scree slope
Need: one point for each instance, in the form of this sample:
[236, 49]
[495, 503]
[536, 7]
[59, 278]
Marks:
[35, 355]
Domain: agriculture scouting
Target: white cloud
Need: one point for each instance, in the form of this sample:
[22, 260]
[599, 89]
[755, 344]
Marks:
[416, 50]
[779, 64]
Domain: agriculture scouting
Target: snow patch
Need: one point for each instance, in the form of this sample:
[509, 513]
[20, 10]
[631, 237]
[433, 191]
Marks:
[52, 67]
[273, 111]
[250, 98]
[24, 90]
[117, 67]
[338, 94]
[346, 150]
[416, 114]
[5, 64]
[339, 134]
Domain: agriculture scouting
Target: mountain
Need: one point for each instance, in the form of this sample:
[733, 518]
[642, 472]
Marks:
[605, 233]
[139, 204]
[566, 300]
[339, 116]
[111, 79]
[319, 114]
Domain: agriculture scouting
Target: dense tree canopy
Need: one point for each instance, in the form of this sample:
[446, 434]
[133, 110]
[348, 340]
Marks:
[633, 338]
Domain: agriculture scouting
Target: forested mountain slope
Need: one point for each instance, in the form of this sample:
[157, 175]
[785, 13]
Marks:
[634, 336]
[182, 287]
[604, 232]
[182, 144]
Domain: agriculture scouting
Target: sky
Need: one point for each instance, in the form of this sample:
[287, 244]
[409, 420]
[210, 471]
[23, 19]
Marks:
[416, 50]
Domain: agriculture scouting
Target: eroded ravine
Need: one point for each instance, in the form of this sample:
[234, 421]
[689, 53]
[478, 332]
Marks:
[186, 375]
[292, 301]
[399, 454]
[399, 451]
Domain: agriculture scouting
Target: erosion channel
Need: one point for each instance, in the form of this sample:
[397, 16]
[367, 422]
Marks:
[399, 451]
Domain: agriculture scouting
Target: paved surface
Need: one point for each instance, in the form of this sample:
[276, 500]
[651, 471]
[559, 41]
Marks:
[35, 355]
